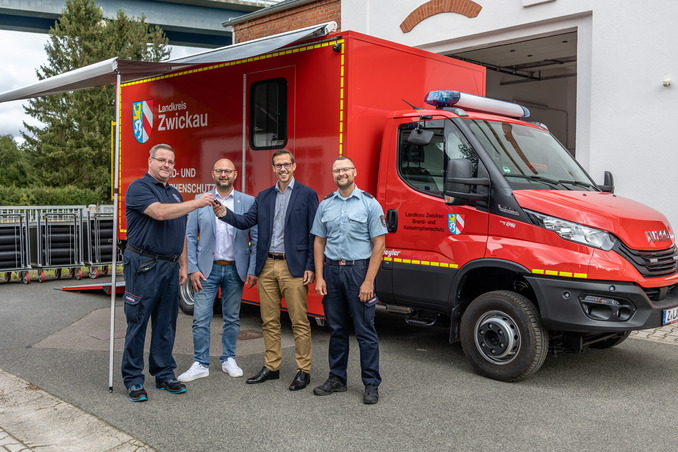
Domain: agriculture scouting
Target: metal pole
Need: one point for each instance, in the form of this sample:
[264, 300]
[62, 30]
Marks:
[115, 227]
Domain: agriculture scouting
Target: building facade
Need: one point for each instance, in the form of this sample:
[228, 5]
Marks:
[598, 73]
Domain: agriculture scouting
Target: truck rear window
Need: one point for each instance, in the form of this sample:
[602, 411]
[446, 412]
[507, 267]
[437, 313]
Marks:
[268, 114]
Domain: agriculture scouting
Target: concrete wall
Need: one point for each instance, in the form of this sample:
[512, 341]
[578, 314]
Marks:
[626, 120]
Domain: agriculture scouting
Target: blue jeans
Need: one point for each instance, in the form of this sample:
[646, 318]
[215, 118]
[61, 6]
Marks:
[227, 277]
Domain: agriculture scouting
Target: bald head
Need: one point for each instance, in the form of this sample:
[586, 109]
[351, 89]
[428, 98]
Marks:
[224, 175]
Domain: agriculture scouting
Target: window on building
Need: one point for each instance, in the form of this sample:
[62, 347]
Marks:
[268, 114]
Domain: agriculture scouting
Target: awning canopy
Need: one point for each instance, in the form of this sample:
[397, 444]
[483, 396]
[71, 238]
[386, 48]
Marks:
[105, 72]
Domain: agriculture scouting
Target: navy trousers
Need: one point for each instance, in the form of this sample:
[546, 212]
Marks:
[151, 292]
[343, 289]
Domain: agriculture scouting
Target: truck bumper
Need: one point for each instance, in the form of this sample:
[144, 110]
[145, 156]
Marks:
[599, 306]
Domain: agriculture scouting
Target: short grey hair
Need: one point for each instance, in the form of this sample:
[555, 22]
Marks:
[161, 146]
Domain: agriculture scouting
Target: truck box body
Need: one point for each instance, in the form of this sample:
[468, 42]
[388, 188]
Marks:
[337, 100]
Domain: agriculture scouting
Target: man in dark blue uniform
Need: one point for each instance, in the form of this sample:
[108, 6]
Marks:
[155, 265]
[349, 230]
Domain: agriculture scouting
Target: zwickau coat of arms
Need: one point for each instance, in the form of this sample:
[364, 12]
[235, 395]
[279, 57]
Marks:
[142, 119]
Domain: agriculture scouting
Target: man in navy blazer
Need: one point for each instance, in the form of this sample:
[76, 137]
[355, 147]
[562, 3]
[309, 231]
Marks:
[284, 214]
[219, 255]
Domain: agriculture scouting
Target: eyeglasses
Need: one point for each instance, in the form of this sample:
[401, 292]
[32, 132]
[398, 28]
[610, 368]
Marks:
[227, 172]
[280, 166]
[342, 170]
[163, 161]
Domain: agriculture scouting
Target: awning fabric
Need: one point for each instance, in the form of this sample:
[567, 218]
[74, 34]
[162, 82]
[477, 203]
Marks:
[105, 72]
[258, 46]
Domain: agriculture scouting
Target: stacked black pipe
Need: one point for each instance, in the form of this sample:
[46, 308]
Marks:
[12, 242]
[60, 239]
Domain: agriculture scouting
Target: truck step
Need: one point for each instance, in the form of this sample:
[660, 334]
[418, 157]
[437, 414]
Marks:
[421, 319]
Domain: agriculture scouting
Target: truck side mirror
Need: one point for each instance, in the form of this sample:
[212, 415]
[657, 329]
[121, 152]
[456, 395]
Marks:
[458, 181]
[608, 183]
[420, 137]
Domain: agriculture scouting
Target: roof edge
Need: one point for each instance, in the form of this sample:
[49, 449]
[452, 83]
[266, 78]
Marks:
[265, 12]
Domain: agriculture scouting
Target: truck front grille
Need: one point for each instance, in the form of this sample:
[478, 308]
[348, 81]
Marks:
[662, 296]
[650, 264]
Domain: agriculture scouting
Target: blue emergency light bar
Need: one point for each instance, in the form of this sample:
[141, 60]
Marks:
[441, 99]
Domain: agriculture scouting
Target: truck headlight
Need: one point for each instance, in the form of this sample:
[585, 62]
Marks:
[574, 232]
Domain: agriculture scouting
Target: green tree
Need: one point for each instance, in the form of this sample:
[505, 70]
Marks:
[16, 167]
[72, 148]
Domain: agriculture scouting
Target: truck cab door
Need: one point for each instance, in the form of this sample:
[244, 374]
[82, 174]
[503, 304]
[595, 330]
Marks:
[432, 240]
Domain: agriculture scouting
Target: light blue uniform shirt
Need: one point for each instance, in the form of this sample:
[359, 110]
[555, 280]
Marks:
[282, 200]
[349, 225]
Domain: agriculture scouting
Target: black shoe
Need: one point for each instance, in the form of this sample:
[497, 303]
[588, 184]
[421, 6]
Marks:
[371, 395]
[301, 379]
[137, 393]
[333, 384]
[172, 386]
[264, 374]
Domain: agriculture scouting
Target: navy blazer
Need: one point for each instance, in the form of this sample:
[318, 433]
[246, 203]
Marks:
[298, 222]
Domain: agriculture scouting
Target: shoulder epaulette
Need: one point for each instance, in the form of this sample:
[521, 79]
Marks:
[328, 196]
[368, 195]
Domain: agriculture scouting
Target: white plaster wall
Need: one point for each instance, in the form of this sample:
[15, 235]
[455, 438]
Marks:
[626, 121]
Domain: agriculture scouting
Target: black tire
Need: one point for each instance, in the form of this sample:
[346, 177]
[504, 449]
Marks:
[612, 342]
[186, 298]
[502, 336]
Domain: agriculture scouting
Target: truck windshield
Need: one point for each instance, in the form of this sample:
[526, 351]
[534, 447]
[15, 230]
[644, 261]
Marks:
[530, 158]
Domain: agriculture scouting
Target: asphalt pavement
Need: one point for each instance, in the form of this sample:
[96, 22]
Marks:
[54, 391]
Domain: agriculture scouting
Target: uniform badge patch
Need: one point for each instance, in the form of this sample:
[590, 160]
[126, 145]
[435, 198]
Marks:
[142, 120]
[383, 220]
[455, 223]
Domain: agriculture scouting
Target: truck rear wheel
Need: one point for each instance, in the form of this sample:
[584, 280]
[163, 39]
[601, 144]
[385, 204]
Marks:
[186, 297]
[502, 336]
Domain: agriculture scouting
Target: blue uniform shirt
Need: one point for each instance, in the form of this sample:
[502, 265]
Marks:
[349, 225]
[158, 237]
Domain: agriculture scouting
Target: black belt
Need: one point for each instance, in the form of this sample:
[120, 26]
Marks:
[276, 255]
[151, 255]
[346, 262]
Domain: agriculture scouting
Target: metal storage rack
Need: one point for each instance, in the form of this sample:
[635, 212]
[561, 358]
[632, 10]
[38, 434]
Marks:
[59, 241]
[56, 237]
[14, 245]
[99, 242]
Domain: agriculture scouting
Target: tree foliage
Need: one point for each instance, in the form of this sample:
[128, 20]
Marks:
[16, 167]
[72, 148]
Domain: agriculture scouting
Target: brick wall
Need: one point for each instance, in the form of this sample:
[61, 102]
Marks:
[291, 19]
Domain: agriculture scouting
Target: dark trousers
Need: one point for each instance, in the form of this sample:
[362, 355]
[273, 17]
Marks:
[149, 294]
[343, 288]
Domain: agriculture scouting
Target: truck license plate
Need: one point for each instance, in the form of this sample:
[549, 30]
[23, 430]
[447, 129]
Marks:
[670, 316]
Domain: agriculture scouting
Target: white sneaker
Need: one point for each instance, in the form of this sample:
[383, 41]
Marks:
[196, 371]
[230, 367]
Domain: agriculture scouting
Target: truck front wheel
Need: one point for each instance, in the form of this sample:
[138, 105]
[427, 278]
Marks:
[502, 336]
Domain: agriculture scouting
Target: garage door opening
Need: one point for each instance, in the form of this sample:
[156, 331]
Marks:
[538, 72]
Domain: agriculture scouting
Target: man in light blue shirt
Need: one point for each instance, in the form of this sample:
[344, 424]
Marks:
[219, 256]
[349, 231]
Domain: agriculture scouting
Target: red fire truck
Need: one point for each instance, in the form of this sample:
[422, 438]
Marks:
[494, 229]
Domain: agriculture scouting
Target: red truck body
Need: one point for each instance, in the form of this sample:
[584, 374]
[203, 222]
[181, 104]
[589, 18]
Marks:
[493, 226]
